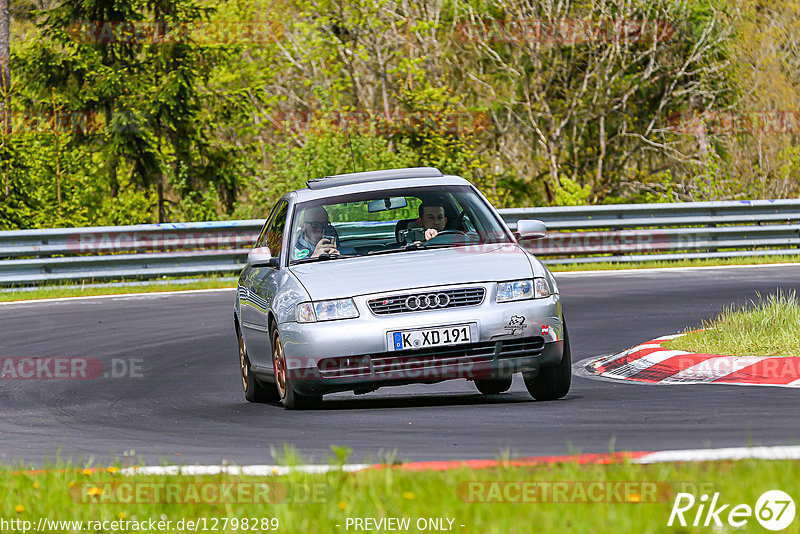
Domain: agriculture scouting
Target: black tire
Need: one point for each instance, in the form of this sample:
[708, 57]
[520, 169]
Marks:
[553, 381]
[254, 391]
[493, 386]
[284, 389]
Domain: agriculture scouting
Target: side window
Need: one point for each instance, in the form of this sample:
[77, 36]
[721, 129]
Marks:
[275, 230]
[262, 237]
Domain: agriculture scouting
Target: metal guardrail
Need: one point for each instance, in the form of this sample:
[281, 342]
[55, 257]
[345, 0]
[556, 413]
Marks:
[582, 234]
[619, 216]
[121, 252]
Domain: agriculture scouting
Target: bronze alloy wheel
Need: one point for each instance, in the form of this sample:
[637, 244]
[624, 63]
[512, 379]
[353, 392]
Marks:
[279, 363]
[285, 389]
[254, 391]
[243, 363]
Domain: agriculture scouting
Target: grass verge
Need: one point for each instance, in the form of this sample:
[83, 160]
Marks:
[623, 498]
[717, 262]
[54, 291]
[767, 326]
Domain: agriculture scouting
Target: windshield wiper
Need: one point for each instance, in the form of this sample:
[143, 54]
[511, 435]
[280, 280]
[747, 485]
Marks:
[409, 246]
[323, 257]
[443, 245]
[418, 245]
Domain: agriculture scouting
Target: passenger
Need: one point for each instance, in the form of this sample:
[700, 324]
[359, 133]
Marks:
[310, 242]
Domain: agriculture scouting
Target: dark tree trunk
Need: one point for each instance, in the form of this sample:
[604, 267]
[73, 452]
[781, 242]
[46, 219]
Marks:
[5, 51]
[5, 77]
[162, 215]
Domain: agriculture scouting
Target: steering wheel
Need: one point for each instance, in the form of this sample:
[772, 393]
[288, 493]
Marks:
[450, 232]
[442, 237]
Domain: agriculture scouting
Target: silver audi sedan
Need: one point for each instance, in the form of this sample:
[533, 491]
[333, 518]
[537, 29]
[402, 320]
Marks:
[385, 278]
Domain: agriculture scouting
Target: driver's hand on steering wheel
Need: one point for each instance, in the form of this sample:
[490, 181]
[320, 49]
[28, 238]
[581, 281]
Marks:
[430, 233]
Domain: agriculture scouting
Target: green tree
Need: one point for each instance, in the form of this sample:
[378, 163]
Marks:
[149, 94]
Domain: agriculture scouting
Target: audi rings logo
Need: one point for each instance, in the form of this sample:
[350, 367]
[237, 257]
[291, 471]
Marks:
[427, 302]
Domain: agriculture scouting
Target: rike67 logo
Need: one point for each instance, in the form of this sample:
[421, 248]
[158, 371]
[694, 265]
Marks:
[774, 510]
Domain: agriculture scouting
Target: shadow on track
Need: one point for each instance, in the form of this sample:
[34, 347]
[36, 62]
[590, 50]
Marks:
[425, 401]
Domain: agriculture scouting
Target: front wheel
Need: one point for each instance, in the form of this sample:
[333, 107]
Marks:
[291, 399]
[254, 391]
[552, 381]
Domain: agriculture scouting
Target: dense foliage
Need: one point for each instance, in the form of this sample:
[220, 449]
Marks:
[131, 111]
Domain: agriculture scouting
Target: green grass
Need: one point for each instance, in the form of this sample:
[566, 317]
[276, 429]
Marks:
[318, 503]
[54, 291]
[765, 327]
[606, 266]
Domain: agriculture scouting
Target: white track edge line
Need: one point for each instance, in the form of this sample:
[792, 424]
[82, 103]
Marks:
[780, 452]
[669, 269]
[729, 453]
[245, 470]
[118, 295]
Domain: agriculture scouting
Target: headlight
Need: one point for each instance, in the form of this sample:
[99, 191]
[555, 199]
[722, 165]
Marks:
[326, 310]
[522, 290]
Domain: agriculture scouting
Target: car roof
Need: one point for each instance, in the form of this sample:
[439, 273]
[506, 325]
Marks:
[385, 180]
[372, 176]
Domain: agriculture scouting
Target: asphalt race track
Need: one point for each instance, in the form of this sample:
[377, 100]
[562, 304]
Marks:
[187, 405]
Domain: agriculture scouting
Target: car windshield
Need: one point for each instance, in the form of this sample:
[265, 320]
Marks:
[397, 220]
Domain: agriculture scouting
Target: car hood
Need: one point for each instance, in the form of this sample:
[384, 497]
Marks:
[349, 277]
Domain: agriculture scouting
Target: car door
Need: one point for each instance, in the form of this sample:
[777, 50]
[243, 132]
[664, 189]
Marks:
[263, 283]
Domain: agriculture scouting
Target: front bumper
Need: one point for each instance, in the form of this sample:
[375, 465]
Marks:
[476, 362]
[356, 354]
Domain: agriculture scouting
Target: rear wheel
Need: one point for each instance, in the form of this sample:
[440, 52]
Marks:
[291, 399]
[493, 386]
[254, 391]
[552, 381]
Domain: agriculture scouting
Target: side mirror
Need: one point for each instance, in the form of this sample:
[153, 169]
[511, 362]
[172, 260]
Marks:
[261, 257]
[530, 229]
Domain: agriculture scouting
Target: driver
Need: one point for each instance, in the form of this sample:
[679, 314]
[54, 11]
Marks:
[432, 219]
[310, 242]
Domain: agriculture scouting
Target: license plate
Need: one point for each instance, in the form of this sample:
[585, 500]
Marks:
[431, 337]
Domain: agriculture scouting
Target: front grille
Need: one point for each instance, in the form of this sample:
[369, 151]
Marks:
[517, 348]
[404, 363]
[344, 367]
[428, 300]
[416, 360]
